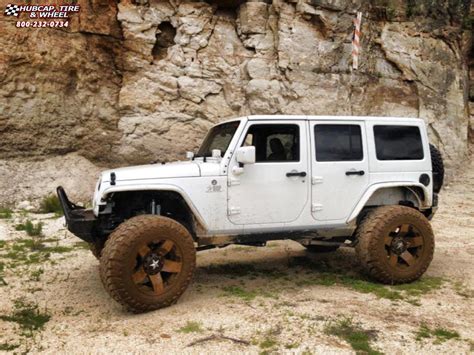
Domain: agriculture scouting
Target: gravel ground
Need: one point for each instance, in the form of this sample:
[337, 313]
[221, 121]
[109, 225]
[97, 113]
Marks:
[277, 299]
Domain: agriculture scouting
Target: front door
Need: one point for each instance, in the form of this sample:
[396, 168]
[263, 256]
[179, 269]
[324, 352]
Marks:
[274, 189]
[340, 167]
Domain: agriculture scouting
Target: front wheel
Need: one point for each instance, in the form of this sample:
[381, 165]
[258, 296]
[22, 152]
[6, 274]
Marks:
[395, 244]
[148, 262]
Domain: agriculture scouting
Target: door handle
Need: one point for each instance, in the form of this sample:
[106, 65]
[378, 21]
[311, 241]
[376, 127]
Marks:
[295, 173]
[355, 172]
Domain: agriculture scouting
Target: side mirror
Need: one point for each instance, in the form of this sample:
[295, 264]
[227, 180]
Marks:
[245, 155]
[189, 155]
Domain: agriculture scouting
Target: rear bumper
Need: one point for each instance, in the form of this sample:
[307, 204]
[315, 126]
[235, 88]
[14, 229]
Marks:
[80, 221]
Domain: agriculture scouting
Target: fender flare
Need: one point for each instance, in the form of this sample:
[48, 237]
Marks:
[375, 187]
[163, 187]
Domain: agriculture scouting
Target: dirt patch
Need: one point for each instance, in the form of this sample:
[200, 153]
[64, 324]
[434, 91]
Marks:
[243, 299]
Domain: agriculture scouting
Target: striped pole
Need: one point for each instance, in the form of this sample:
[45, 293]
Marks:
[356, 41]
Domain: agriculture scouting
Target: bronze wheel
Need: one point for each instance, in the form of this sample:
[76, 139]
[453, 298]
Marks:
[404, 246]
[395, 244]
[158, 265]
[148, 262]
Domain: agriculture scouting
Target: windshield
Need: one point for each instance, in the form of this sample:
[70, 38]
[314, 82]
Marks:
[219, 137]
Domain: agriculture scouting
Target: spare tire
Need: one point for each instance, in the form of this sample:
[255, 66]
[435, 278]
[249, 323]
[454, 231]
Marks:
[438, 168]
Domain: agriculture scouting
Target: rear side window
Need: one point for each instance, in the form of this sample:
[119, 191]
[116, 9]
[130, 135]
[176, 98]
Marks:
[338, 142]
[398, 143]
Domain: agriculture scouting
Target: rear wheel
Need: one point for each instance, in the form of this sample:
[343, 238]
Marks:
[148, 262]
[395, 244]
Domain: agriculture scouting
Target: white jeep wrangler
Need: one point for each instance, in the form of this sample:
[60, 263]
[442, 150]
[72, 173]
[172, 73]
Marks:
[323, 181]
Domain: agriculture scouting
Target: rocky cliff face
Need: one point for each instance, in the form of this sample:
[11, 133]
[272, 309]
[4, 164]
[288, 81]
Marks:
[59, 90]
[143, 80]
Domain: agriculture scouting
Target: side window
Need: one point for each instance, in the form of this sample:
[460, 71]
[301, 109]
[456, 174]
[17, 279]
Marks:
[398, 143]
[274, 142]
[338, 142]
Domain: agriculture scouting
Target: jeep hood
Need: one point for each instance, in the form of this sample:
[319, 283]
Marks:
[154, 171]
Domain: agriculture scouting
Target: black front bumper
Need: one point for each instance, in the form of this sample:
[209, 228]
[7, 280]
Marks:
[80, 222]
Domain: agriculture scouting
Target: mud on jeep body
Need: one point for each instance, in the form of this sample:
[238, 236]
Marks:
[323, 181]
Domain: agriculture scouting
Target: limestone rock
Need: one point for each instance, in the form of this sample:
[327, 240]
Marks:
[259, 68]
[253, 17]
[53, 82]
[143, 80]
[263, 96]
[97, 16]
[195, 89]
[25, 205]
[30, 180]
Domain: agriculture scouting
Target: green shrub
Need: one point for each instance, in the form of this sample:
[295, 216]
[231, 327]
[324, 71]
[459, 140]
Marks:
[31, 229]
[8, 347]
[440, 334]
[27, 316]
[51, 204]
[358, 338]
[191, 327]
[5, 213]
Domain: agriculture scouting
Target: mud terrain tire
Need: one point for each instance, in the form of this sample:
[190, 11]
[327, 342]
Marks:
[123, 257]
[395, 244]
[438, 168]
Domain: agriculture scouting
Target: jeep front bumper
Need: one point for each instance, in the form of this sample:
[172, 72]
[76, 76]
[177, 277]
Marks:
[80, 221]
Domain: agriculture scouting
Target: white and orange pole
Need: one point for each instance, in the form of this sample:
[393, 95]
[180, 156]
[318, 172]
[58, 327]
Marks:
[356, 41]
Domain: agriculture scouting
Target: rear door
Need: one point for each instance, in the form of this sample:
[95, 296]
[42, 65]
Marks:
[339, 166]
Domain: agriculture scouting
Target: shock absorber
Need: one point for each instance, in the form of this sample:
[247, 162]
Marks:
[155, 208]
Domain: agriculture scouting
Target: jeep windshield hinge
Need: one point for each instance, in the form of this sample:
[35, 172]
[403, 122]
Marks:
[316, 207]
[233, 182]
